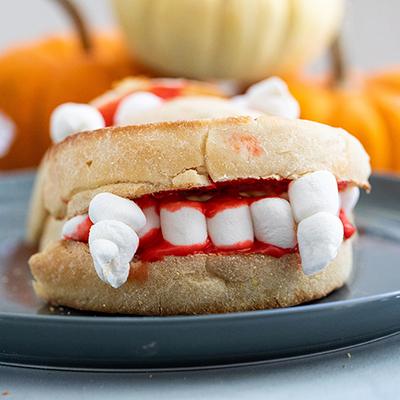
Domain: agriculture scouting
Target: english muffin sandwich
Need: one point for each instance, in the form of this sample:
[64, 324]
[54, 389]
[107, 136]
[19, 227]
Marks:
[198, 206]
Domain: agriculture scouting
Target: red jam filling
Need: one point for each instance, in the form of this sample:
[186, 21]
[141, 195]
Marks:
[228, 189]
[176, 205]
[158, 250]
[220, 203]
[349, 228]
[165, 92]
[108, 111]
[226, 195]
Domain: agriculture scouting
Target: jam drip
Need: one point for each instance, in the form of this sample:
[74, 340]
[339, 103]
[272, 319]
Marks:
[349, 228]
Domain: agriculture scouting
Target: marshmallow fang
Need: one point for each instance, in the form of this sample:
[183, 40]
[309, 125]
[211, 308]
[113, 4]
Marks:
[314, 193]
[111, 266]
[8, 131]
[273, 222]
[108, 206]
[185, 226]
[349, 199]
[319, 238]
[133, 106]
[106, 261]
[231, 228]
[70, 118]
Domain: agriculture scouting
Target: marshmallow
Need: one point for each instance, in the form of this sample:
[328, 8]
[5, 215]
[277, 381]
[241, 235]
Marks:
[109, 206]
[240, 106]
[349, 198]
[105, 256]
[313, 193]
[134, 105]
[152, 221]
[70, 228]
[271, 96]
[7, 133]
[70, 118]
[273, 222]
[112, 245]
[231, 228]
[319, 238]
[185, 226]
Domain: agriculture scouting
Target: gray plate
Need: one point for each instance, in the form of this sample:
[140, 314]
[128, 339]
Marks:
[367, 308]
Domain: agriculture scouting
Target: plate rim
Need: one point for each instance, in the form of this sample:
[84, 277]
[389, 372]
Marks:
[131, 319]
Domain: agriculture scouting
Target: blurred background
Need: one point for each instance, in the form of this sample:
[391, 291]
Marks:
[341, 60]
[371, 28]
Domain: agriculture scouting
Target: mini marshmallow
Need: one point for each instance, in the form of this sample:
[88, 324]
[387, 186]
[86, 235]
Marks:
[70, 118]
[184, 227]
[241, 106]
[319, 238]
[313, 193]
[273, 222]
[272, 96]
[8, 130]
[70, 227]
[152, 221]
[231, 227]
[349, 198]
[109, 206]
[134, 105]
[112, 266]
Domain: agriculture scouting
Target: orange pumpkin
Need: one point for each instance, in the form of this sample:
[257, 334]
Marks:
[368, 106]
[35, 78]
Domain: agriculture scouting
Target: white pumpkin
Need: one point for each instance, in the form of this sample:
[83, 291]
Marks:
[227, 39]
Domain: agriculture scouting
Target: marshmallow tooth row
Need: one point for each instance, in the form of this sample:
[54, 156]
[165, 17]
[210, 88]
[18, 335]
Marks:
[233, 226]
[270, 96]
[309, 219]
[313, 205]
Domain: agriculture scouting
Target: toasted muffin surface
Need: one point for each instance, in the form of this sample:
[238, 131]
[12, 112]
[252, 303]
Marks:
[135, 160]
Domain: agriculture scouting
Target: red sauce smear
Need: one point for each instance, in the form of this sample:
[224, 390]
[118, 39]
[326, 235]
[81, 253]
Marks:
[153, 247]
[140, 273]
[245, 141]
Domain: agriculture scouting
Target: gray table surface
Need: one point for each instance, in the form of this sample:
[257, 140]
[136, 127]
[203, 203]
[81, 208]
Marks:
[369, 372]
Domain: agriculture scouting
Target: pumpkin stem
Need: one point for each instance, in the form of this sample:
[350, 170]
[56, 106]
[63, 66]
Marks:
[80, 26]
[338, 64]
